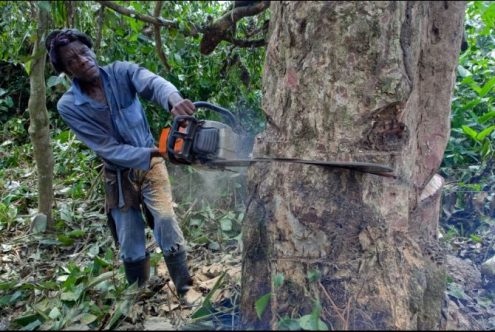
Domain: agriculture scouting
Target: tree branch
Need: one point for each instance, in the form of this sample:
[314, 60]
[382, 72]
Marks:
[170, 24]
[212, 34]
[70, 13]
[158, 37]
[101, 15]
[219, 30]
[246, 43]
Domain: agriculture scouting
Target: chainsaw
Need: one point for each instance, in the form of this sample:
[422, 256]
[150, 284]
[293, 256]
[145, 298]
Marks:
[222, 145]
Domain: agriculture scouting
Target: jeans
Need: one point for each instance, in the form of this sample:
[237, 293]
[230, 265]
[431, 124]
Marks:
[157, 195]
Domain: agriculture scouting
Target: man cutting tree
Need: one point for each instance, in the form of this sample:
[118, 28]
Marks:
[103, 110]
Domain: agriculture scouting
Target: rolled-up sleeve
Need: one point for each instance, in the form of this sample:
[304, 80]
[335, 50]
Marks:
[149, 85]
[98, 139]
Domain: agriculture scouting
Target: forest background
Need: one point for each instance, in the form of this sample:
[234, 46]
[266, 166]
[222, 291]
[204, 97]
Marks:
[70, 277]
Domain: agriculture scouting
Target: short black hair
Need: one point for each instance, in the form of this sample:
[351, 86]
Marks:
[58, 38]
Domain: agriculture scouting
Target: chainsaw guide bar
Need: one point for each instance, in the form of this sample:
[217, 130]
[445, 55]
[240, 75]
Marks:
[357, 166]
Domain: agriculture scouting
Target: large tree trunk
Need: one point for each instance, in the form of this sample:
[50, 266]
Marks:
[352, 81]
[39, 126]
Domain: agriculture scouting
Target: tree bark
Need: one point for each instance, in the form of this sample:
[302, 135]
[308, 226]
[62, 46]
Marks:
[39, 127]
[352, 81]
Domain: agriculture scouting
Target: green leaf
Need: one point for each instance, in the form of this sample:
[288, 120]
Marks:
[50, 242]
[4, 300]
[261, 303]
[65, 240]
[12, 212]
[121, 310]
[456, 291]
[64, 136]
[52, 81]
[463, 72]
[470, 132]
[180, 42]
[195, 222]
[69, 296]
[15, 297]
[206, 307]
[287, 324]
[39, 223]
[27, 319]
[87, 318]
[487, 87]
[9, 101]
[475, 238]
[31, 326]
[65, 213]
[278, 280]
[7, 285]
[77, 233]
[486, 148]
[93, 252]
[485, 132]
[314, 275]
[178, 58]
[54, 313]
[308, 322]
[226, 224]
[102, 277]
[27, 66]
[488, 16]
[472, 84]
[486, 117]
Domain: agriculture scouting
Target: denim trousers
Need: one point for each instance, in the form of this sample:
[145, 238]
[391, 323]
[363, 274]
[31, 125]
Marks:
[156, 191]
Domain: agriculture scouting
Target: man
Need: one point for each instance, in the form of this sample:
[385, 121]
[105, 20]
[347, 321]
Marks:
[103, 110]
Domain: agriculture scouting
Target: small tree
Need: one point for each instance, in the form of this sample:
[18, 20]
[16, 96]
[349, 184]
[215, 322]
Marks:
[39, 127]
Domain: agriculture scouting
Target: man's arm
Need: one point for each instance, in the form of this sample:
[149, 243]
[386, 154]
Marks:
[155, 88]
[103, 143]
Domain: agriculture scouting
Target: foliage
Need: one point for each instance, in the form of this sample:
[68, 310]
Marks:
[311, 321]
[230, 76]
[473, 115]
[468, 203]
[469, 195]
[86, 296]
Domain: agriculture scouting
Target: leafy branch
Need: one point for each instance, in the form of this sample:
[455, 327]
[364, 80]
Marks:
[221, 29]
[213, 34]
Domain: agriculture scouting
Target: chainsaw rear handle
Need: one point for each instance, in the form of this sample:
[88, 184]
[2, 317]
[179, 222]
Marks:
[229, 117]
[177, 141]
[182, 136]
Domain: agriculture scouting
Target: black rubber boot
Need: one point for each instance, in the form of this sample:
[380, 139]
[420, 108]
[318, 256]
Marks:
[177, 268]
[138, 271]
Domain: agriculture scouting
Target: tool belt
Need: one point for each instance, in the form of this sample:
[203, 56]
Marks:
[124, 197]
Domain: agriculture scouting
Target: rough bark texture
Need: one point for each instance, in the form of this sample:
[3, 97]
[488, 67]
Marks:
[356, 81]
[39, 126]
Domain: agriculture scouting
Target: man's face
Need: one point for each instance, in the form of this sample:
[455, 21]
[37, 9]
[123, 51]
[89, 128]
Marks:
[79, 61]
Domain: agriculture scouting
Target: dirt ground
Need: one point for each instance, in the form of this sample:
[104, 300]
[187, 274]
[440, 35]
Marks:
[213, 303]
[469, 296]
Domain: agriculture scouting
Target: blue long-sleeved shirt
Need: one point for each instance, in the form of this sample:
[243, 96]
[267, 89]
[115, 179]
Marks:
[117, 132]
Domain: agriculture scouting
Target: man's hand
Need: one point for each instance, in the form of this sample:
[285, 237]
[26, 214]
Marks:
[180, 106]
[156, 153]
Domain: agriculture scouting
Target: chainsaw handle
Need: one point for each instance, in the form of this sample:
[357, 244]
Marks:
[229, 117]
[179, 143]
